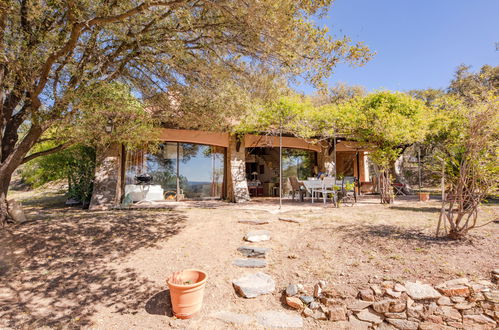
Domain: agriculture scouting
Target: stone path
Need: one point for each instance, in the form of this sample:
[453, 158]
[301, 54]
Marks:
[257, 236]
[250, 263]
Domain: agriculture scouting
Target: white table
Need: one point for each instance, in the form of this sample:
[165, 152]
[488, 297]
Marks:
[144, 192]
[315, 186]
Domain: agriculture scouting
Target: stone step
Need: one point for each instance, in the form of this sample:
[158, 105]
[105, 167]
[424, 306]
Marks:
[253, 252]
[253, 221]
[250, 263]
[257, 236]
[254, 285]
[289, 219]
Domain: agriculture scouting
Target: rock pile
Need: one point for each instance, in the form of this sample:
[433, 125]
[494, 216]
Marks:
[459, 303]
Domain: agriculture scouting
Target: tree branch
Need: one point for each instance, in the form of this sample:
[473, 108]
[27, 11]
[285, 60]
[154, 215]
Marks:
[46, 152]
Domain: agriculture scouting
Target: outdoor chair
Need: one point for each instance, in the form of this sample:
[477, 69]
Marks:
[328, 184]
[296, 187]
[399, 188]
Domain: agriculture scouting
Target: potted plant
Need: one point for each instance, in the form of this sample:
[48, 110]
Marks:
[186, 292]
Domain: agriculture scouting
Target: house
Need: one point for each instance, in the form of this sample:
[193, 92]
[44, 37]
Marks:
[195, 164]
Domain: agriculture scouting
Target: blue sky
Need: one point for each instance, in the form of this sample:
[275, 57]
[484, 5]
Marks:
[419, 43]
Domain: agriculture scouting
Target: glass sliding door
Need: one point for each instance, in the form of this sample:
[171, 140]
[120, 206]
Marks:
[199, 168]
[298, 163]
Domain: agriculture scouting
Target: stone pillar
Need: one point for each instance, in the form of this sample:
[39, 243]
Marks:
[326, 161]
[107, 182]
[237, 186]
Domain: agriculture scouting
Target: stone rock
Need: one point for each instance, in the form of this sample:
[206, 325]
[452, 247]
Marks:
[301, 288]
[393, 294]
[450, 314]
[433, 326]
[402, 315]
[399, 287]
[294, 220]
[278, 319]
[257, 236]
[435, 319]
[337, 313]
[318, 315]
[341, 325]
[419, 291]
[457, 299]
[317, 290]
[15, 211]
[314, 305]
[378, 291]
[478, 319]
[457, 281]
[254, 285]
[444, 301]
[387, 284]
[398, 306]
[455, 325]
[465, 305]
[370, 316]
[416, 311]
[357, 324]
[235, 318]
[250, 263]
[456, 290]
[253, 252]
[322, 284]
[492, 296]
[253, 221]
[403, 324]
[292, 290]
[294, 302]
[366, 294]
[359, 305]
[382, 306]
[385, 326]
[495, 271]
[72, 202]
[307, 312]
[306, 299]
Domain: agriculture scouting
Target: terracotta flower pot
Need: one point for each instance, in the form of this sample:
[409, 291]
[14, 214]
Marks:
[424, 196]
[187, 298]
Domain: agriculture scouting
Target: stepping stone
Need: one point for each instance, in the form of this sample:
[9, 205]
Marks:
[277, 319]
[253, 252]
[254, 285]
[257, 236]
[231, 317]
[295, 220]
[253, 221]
[250, 263]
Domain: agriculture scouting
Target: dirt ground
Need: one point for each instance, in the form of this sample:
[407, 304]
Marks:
[71, 268]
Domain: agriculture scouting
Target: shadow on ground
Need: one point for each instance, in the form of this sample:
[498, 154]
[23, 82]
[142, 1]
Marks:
[160, 304]
[56, 270]
[366, 233]
[416, 209]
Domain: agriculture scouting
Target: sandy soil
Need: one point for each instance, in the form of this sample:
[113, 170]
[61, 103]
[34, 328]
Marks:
[71, 268]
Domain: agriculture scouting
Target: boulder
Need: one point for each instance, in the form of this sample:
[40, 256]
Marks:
[254, 285]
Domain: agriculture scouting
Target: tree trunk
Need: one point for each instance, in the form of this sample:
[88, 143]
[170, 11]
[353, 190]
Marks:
[4, 187]
[386, 192]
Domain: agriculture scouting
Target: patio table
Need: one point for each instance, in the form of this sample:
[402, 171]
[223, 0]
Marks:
[312, 186]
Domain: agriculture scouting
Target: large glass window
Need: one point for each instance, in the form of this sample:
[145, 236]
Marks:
[298, 163]
[200, 171]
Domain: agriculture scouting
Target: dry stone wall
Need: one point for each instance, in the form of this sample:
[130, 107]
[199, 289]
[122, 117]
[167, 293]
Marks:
[456, 304]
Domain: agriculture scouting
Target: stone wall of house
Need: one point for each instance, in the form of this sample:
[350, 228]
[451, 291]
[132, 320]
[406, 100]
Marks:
[455, 304]
[107, 182]
[237, 190]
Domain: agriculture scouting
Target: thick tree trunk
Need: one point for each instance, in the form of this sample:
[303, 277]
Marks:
[4, 187]
[386, 190]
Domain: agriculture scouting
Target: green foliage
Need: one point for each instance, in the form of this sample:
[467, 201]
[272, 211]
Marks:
[103, 104]
[75, 164]
[386, 121]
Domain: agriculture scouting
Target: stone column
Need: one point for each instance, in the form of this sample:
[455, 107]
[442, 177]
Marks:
[237, 186]
[326, 161]
[107, 182]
